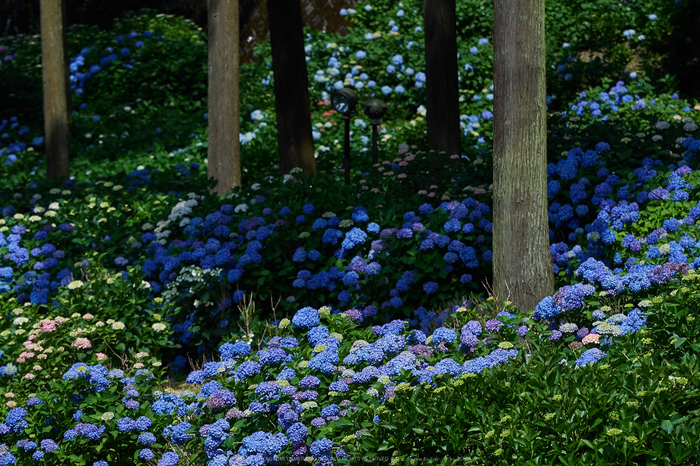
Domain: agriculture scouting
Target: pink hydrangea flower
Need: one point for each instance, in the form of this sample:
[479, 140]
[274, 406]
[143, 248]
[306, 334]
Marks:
[24, 356]
[48, 327]
[81, 343]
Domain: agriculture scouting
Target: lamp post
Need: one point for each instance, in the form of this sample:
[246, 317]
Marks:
[375, 109]
[344, 101]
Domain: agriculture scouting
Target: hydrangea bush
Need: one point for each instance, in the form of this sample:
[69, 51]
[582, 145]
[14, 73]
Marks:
[147, 321]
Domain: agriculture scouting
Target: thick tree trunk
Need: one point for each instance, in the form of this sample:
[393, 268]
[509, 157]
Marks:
[522, 266]
[54, 68]
[224, 150]
[292, 105]
[441, 86]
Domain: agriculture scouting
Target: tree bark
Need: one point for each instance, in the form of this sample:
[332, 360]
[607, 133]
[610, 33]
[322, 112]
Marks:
[522, 266]
[441, 83]
[292, 104]
[224, 150]
[54, 69]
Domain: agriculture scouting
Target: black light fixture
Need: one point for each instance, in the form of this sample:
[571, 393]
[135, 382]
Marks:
[375, 109]
[344, 101]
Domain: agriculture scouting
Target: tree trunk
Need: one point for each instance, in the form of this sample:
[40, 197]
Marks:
[522, 266]
[224, 150]
[54, 69]
[292, 104]
[442, 87]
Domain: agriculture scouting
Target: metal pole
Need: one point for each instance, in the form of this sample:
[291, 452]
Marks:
[375, 123]
[347, 148]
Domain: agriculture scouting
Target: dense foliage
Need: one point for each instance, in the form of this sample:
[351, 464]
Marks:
[147, 321]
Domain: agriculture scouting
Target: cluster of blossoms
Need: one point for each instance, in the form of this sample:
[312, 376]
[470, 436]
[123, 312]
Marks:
[620, 97]
[397, 70]
[341, 65]
[80, 70]
[16, 422]
[211, 242]
[613, 216]
[667, 253]
[41, 264]
[12, 140]
[301, 395]
[232, 244]
[636, 263]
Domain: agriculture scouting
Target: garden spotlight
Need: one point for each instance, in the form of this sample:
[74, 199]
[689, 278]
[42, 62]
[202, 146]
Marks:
[344, 101]
[375, 109]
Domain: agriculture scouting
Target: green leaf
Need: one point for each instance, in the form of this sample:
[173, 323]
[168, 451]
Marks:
[667, 426]
[343, 422]
[587, 443]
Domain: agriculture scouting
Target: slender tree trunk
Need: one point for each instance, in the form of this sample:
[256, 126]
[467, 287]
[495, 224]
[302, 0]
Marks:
[442, 87]
[292, 104]
[522, 266]
[54, 68]
[224, 150]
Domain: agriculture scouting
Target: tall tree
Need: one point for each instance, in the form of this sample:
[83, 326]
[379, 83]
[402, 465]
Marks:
[442, 87]
[292, 104]
[224, 150]
[522, 266]
[54, 69]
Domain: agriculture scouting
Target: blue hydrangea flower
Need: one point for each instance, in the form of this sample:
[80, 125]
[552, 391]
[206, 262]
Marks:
[248, 369]
[430, 287]
[546, 309]
[179, 435]
[452, 225]
[444, 334]
[126, 424]
[297, 432]
[229, 351]
[169, 459]
[321, 447]
[49, 445]
[590, 356]
[448, 366]
[263, 443]
[354, 238]
[170, 404]
[306, 317]
[147, 439]
[324, 361]
[339, 386]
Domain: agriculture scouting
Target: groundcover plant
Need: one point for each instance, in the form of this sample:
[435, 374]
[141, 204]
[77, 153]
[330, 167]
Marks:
[145, 321]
